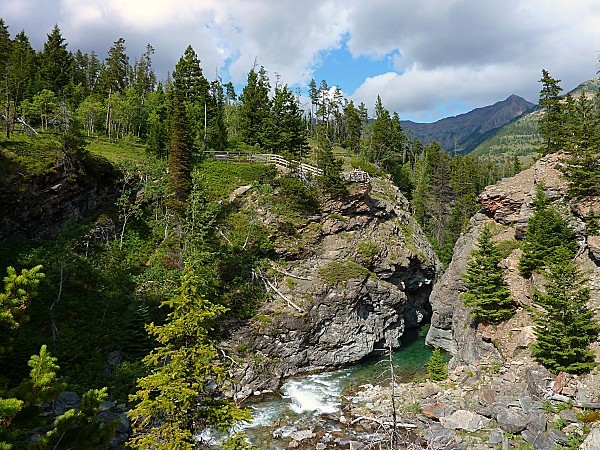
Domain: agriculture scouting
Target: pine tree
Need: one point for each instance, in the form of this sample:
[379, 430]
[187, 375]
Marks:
[437, 369]
[582, 165]
[546, 232]
[565, 325]
[255, 107]
[486, 293]
[179, 157]
[56, 63]
[180, 397]
[18, 290]
[551, 124]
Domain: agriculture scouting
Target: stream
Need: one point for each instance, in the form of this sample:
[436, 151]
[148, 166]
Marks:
[313, 400]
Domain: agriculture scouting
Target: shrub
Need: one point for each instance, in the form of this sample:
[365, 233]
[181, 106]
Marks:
[337, 271]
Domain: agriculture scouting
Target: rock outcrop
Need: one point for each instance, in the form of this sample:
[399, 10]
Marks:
[365, 274]
[507, 206]
[34, 206]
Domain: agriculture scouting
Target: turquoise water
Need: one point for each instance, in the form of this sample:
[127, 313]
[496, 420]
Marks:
[307, 400]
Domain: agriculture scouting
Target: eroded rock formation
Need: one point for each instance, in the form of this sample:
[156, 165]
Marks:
[364, 275]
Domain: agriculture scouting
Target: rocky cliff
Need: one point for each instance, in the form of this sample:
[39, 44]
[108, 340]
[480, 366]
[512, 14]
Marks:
[497, 395]
[36, 205]
[507, 206]
[364, 277]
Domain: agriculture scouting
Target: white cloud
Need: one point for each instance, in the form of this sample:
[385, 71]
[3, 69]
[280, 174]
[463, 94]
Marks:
[465, 51]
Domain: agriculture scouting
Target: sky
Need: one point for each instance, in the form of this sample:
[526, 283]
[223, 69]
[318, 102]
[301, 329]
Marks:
[427, 59]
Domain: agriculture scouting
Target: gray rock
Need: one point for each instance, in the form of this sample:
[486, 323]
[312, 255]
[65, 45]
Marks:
[568, 415]
[301, 435]
[558, 436]
[528, 436]
[66, 400]
[321, 446]
[592, 441]
[438, 435]
[511, 420]
[464, 420]
[526, 404]
[537, 422]
[114, 358]
[544, 442]
[495, 438]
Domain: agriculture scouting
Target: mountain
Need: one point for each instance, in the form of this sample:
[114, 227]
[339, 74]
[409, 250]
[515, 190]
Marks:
[521, 134]
[464, 132]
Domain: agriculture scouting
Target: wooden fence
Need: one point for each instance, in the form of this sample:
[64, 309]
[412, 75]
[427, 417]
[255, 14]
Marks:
[265, 158]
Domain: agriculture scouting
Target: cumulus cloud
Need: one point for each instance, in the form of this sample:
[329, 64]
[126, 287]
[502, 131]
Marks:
[466, 52]
[471, 51]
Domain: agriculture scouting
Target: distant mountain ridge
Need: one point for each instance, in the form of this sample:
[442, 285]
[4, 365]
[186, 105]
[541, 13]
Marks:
[465, 132]
[521, 135]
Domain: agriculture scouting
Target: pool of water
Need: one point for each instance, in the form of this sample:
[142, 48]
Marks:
[307, 400]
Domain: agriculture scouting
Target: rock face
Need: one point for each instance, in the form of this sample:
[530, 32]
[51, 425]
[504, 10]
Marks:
[365, 275]
[507, 206]
[36, 206]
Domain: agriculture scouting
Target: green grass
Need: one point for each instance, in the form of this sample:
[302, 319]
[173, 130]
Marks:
[118, 152]
[221, 178]
[21, 157]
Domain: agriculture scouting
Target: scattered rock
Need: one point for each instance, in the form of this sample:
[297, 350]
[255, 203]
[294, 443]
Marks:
[438, 435]
[511, 420]
[464, 420]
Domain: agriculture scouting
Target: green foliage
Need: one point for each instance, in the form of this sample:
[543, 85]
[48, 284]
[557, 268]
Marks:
[338, 271]
[18, 290]
[297, 196]
[437, 368]
[367, 252]
[181, 396]
[565, 325]
[220, 178]
[80, 428]
[547, 233]
[551, 123]
[237, 442]
[486, 292]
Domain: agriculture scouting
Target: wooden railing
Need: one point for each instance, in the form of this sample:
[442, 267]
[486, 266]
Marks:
[264, 158]
[356, 176]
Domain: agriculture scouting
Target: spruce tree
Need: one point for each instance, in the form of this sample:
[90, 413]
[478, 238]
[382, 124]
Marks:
[551, 124]
[180, 397]
[179, 157]
[487, 294]
[546, 232]
[437, 369]
[55, 62]
[565, 325]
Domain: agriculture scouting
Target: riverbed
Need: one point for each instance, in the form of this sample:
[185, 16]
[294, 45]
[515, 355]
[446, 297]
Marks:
[313, 401]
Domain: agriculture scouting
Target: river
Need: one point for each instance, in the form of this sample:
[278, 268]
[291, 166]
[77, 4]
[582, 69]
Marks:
[312, 400]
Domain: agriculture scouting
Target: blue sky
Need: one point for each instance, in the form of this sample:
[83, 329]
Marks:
[428, 59]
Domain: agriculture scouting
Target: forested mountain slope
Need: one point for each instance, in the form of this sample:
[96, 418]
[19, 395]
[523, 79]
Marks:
[464, 132]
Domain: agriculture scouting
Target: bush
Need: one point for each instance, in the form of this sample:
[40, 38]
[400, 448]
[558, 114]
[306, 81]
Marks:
[337, 271]
[297, 196]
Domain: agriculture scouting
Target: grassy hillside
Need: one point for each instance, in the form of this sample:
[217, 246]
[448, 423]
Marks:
[519, 135]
